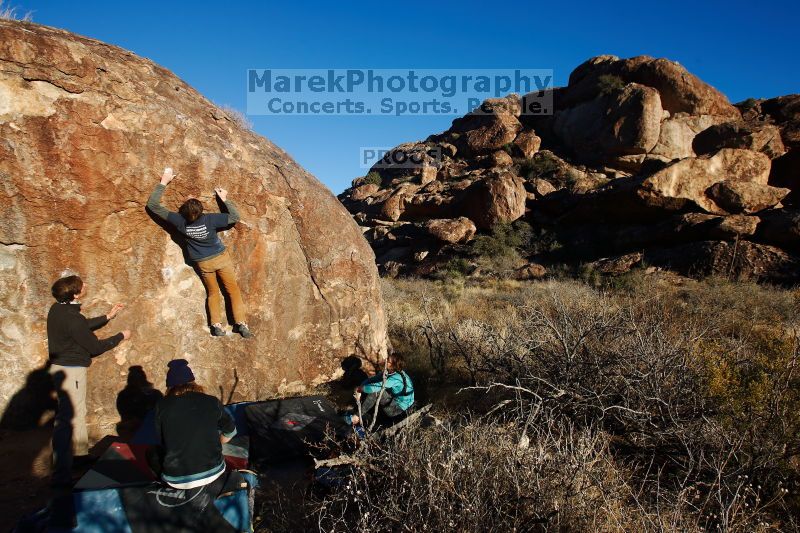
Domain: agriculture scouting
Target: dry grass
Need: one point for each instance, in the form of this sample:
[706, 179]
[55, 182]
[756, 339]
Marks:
[237, 117]
[661, 405]
[12, 13]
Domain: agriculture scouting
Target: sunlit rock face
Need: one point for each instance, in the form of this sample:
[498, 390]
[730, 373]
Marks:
[85, 129]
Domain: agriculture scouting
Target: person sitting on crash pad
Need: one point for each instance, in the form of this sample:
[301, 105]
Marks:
[192, 427]
[397, 397]
[206, 249]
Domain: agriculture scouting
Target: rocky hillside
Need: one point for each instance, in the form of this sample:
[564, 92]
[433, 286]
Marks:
[85, 130]
[640, 163]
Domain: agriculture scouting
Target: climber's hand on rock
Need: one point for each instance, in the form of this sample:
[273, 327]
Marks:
[167, 176]
[114, 310]
[222, 193]
[126, 334]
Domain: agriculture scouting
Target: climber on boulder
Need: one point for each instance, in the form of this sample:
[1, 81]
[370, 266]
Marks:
[206, 249]
[72, 344]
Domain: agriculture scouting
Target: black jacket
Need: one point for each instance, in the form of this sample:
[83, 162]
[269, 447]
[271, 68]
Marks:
[70, 336]
[189, 427]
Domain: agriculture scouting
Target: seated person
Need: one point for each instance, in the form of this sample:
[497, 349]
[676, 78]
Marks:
[192, 426]
[397, 398]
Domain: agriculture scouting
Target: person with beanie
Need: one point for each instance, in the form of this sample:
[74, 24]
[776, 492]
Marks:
[192, 426]
[207, 251]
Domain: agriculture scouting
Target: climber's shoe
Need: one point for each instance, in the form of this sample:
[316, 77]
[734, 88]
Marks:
[243, 330]
[218, 331]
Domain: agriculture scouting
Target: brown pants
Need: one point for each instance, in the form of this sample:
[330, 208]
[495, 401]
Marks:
[221, 266]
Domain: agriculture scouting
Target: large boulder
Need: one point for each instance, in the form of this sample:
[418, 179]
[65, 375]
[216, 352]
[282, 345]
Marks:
[489, 127]
[593, 239]
[494, 200]
[740, 260]
[451, 230]
[394, 205]
[417, 161]
[783, 111]
[539, 188]
[745, 197]
[362, 192]
[683, 185]
[785, 172]
[680, 91]
[740, 134]
[625, 122]
[423, 206]
[85, 129]
[678, 133]
[780, 227]
[527, 143]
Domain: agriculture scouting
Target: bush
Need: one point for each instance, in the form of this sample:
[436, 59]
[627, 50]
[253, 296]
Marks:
[659, 406]
[542, 241]
[476, 475]
[499, 252]
[696, 386]
[608, 84]
[456, 267]
[541, 164]
[237, 117]
[505, 240]
[749, 103]
[372, 178]
[11, 13]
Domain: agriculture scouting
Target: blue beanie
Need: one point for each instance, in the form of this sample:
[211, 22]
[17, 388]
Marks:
[179, 373]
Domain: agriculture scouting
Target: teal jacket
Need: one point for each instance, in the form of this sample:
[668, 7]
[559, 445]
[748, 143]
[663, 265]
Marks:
[398, 385]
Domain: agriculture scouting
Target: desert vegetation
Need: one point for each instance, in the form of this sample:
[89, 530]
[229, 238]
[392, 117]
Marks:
[9, 12]
[655, 403]
[237, 117]
[372, 178]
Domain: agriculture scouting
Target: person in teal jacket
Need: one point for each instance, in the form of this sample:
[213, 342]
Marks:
[397, 398]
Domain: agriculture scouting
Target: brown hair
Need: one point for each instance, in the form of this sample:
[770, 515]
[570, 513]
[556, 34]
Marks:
[65, 289]
[191, 210]
[185, 388]
[398, 361]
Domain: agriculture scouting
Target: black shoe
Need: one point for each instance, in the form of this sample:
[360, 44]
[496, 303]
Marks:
[218, 331]
[244, 331]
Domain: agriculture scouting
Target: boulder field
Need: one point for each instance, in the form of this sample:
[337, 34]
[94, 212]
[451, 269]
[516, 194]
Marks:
[85, 131]
[641, 162]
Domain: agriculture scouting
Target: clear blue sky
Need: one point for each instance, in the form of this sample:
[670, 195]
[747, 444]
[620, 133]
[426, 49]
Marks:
[743, 48]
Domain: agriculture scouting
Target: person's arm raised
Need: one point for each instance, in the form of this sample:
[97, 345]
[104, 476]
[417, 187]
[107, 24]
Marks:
[154, 202]
[100, 321]
[233, 213]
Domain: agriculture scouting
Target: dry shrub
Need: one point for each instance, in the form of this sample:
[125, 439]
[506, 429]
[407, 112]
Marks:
[656, 407]
[480, 475]
[695, 384]
[8, 12]
[237, 117]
